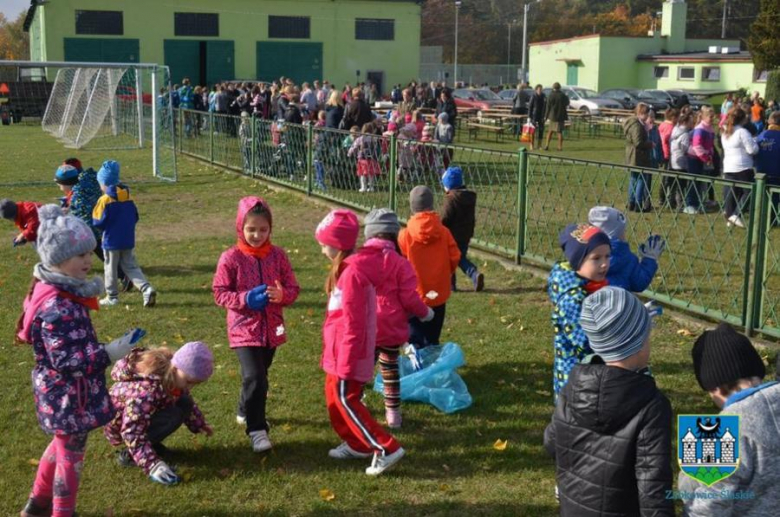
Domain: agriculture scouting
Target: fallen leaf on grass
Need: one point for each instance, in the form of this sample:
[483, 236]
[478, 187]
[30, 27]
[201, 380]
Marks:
[327, 495]
[33, 462]
[500, 445]
[685, 332]
[286, 428]
[444, 487]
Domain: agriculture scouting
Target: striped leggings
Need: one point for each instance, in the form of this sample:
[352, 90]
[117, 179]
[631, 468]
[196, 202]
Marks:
[388, 366]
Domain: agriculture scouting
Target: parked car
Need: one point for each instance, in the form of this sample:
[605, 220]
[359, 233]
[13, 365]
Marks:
[630, 97]
[671, 97]
[586, 100]
[478, 98]
[508, 95]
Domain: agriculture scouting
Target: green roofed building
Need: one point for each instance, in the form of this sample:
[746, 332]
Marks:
[343, 41]
[666, 60]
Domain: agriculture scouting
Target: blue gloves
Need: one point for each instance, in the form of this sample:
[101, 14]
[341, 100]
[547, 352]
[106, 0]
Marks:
[119, 348]
[653, 248]
[257, 298]
[163, 474]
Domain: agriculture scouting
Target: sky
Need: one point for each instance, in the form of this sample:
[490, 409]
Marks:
[12, 8]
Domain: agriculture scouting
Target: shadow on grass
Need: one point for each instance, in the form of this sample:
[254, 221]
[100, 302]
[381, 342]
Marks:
[445, 508]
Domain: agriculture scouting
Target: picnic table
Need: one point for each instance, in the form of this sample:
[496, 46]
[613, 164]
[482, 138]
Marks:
[474, 128]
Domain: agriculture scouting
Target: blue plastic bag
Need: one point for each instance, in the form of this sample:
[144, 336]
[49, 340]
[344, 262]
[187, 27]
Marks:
[437, 383]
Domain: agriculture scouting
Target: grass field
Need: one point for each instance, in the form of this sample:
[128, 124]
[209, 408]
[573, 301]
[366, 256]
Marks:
[452, 467]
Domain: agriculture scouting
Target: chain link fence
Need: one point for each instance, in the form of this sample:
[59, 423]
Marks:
[525, 199]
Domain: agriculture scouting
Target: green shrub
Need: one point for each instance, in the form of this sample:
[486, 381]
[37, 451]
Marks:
[773, 86]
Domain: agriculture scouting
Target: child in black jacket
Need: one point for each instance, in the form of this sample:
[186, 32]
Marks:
[458, 215]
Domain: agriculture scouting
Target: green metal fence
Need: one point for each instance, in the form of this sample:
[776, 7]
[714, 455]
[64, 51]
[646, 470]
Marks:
[524, 200]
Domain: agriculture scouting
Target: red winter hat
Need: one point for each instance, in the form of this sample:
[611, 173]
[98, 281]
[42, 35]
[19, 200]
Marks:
[339, 229]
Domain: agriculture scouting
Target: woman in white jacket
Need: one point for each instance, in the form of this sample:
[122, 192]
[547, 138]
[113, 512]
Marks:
[738, 150]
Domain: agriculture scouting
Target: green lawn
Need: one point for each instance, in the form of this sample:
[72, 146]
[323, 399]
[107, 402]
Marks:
[451, 467]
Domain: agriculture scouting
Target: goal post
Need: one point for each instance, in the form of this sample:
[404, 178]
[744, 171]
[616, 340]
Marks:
[100, 106]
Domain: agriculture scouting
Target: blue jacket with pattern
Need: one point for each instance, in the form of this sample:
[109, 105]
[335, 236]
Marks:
[85, 196]
[567, 291]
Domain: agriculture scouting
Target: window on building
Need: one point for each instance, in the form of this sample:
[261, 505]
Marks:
[710, 73]
[100, 22]
[660, 72]
[759, 76]
[196, 24]
[374, 29]
[686, 73]
[298, 27]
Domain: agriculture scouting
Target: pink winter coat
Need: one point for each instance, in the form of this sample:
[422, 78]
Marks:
[349, 332]
[237, 274]
[396, 296]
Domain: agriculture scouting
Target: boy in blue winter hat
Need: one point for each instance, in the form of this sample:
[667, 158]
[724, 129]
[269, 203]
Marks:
[458, 216]
[116, 215]
[626, 270]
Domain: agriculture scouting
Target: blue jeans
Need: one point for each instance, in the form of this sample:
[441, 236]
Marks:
[465, 264]
[696, 191]
[319, 177]
[639, 185]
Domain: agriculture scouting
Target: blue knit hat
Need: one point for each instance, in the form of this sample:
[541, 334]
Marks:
[577, 240]
[452, 178]
[66, 175]
[616, 323]
[108, 174]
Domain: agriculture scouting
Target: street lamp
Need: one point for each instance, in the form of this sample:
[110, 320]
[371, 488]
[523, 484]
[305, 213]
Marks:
[457, 10]
[526, 8]
[509, 42]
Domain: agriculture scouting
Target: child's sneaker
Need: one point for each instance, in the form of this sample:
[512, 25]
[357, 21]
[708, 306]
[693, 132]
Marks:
[240, 420]
[382, 463]
[393, 417]
[260, 441]
[150, 296]
[345, 452]
[479, 282]
[109, 301]
[35, 508]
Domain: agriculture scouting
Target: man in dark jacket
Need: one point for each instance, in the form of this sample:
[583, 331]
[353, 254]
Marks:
[555, 113]
[611, 433]
[357, 112]
[447, 105]
[536, 109]
[458, 215]
[520, 104]
[638, 149]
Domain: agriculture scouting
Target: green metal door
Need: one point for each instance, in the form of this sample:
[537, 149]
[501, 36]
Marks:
[301, 62]
[571, 74]
[106, 50]
[183, 58]
[220, 61]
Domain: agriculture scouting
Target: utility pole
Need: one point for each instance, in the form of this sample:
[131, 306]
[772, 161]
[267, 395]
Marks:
[457, 11]
[725, 19]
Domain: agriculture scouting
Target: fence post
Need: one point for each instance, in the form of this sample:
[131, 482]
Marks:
[522, 180]
[309, 159]
[756, 246]
[212, 128]
[181, 129]
[393, 172]
[252, 133]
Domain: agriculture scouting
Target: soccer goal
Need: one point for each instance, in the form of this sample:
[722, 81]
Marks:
[98, 106]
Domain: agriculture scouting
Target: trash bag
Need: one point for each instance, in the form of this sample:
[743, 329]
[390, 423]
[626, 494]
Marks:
[436, 383]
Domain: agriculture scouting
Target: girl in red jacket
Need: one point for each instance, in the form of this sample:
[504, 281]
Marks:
[397, 300]
[254, 282]
[349, 340]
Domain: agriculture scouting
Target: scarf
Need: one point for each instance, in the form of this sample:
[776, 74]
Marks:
[773, 127]
[73, 288]
[593, 286]
[260, 252]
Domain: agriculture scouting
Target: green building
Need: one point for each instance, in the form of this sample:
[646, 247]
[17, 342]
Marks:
[665, 60]
[343, 41]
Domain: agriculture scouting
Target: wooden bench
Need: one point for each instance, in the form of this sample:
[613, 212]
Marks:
[474, 128]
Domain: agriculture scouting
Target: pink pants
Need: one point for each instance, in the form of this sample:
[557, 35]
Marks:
[58, 475]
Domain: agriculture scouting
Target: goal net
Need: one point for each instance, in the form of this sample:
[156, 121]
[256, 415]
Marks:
[97, 106]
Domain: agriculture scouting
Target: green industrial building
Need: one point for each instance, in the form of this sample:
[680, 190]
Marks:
[342, 41]
[666, 60]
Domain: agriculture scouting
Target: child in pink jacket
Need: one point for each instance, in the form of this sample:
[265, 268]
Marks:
[397, 300]
[254, 282]
[349, 341]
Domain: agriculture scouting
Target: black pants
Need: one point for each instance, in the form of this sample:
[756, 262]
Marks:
[736, 199]
[427, 333]
[255, 363]
[166, 421]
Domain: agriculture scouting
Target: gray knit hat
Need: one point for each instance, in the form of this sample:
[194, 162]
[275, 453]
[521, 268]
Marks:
[7, 209]
[420, 199]
[616, 323]
[381, 220]
[61, 237]
[609, 220]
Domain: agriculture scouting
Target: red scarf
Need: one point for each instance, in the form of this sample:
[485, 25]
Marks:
[593, 286]
[89, 303]
[259, 252]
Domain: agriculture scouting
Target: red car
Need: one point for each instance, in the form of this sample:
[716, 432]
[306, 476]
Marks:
[482, 99]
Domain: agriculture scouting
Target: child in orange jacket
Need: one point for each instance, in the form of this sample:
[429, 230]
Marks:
[25, 216]
[434, 254]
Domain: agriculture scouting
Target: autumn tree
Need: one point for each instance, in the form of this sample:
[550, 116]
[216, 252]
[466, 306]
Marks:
[14, 42]
[764, 40]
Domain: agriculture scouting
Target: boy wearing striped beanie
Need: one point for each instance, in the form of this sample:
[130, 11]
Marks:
[612, 425]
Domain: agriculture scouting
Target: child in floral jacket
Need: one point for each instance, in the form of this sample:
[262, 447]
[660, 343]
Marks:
[152, 400]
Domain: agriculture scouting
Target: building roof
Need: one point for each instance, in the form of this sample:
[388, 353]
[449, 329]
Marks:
[694, 57]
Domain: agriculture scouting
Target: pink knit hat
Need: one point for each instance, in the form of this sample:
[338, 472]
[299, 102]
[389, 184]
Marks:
[195, 360]
[339, 229]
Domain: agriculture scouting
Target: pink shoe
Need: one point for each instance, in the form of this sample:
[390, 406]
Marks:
[393, 417]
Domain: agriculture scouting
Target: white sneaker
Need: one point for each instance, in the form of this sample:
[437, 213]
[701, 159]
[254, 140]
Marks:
[362, 189]
[345, 452]
[736, 221]
[109, 302]
[240, 420]
[382, 463]
[150, 296]
[260, 441]
[690, 210]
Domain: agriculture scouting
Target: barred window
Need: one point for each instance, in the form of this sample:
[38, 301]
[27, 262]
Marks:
[196, 24]
[661, 72]
[686, 73]
[374, 29]
[298, 27]
[100, 22]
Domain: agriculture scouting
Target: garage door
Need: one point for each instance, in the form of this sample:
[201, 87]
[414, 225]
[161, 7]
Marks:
[183, 59]
[298, 61]
[220, 62]
[106, 50]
